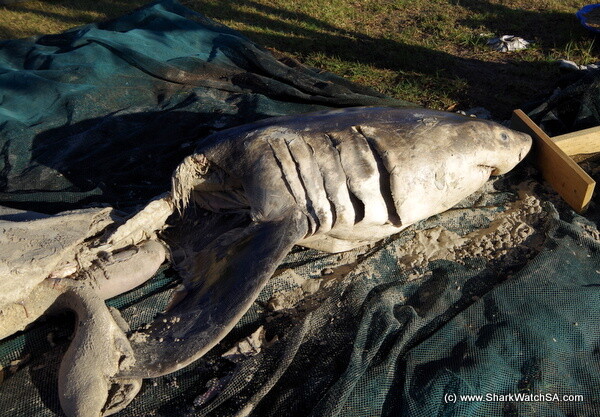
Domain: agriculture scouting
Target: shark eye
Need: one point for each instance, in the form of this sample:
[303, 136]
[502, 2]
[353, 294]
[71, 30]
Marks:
[504, 137]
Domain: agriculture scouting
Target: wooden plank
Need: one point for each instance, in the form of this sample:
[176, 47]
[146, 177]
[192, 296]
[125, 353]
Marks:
[584, 141]
[566, 177]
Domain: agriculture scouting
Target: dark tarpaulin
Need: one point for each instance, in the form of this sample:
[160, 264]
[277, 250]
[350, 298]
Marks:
[575, 104]
[102, 114]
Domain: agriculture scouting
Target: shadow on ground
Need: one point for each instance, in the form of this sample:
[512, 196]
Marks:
[500, 84]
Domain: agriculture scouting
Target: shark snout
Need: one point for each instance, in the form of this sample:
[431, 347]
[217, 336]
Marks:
[506, 161]
[526, 143]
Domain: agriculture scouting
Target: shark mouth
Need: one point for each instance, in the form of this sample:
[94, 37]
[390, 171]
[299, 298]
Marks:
[493, 170]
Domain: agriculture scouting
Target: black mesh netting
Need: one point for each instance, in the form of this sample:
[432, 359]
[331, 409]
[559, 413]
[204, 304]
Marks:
[574, 105]
[497, 296]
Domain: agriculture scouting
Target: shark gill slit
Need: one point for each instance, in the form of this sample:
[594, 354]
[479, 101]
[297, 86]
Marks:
[385, 187]
[324, 180]
[357, 205]
[313, 217]
[283, 176]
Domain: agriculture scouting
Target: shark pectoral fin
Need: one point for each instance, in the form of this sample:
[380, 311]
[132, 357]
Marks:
[228, 277]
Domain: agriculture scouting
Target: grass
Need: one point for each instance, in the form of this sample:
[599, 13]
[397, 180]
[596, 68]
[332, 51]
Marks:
[431, 52]
[582, 51]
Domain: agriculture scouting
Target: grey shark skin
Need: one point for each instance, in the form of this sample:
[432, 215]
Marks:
[331, 180]
[52, 263]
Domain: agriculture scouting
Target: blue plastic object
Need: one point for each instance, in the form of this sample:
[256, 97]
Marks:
[581, 15]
